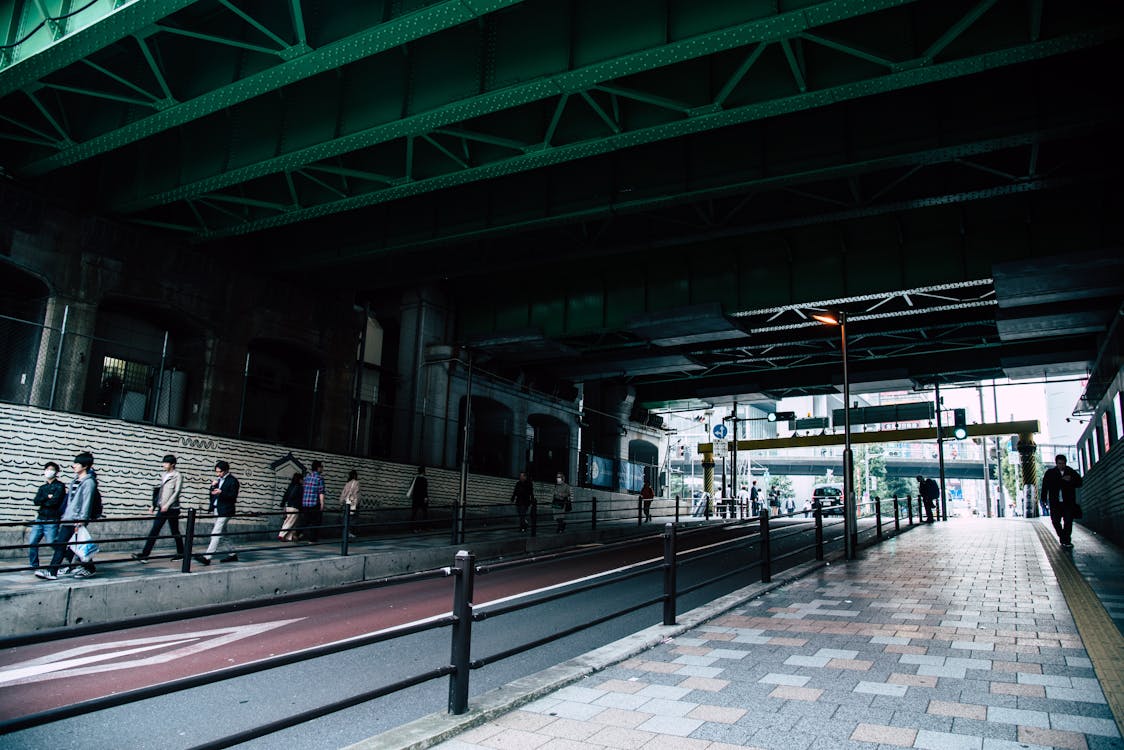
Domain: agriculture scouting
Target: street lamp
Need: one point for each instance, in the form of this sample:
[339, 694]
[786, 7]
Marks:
[850, 520]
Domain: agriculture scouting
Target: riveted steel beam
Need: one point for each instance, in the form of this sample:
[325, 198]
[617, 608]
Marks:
[309, 62]
[737, 115]
[777, 26]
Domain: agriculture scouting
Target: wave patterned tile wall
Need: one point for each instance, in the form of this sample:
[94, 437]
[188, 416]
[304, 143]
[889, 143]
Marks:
[127, 459]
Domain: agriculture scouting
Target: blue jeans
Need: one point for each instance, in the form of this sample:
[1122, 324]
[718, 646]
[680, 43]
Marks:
[42, 532]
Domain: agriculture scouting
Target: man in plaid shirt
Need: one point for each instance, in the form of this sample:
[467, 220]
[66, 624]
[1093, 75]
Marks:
[312, 502]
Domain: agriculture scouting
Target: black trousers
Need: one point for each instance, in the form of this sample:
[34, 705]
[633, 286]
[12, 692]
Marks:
[172, 517]
[1061, 515]
[311, 518]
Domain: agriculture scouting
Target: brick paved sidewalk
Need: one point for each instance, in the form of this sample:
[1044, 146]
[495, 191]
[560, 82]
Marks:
[953, 636]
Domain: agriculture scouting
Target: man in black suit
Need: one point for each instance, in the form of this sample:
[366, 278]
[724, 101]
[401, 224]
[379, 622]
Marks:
[224, 494]
[1059, 489]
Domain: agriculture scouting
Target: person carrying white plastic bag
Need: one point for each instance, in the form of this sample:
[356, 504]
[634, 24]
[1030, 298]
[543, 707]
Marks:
[82, 545]
[81, 499]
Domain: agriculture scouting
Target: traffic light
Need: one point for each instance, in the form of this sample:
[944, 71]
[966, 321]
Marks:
[959, 426]
[992, 472]
[782, 416]
[681, 452]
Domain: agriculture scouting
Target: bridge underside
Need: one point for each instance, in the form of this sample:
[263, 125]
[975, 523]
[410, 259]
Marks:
[646, 194]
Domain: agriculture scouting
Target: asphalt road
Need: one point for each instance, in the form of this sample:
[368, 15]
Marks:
[43, 676]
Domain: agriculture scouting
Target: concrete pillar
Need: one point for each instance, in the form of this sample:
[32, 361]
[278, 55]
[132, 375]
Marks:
[424, 319]
[73, 363]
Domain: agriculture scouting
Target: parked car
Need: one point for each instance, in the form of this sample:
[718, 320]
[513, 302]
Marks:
[829, 498]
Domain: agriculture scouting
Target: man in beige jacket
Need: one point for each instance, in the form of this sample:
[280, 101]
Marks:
[165, 507]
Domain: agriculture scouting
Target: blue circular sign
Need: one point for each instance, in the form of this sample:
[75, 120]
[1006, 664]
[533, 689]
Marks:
[720, 431]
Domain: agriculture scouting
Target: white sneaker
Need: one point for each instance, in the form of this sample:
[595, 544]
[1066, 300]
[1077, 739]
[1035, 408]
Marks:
[46, 575]
[83, 573]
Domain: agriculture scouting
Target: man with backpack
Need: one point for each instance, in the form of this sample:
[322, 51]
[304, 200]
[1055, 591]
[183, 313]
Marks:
[929, 491]
[83, 505]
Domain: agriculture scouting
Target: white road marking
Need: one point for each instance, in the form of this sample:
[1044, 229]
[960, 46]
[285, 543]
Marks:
[83, 659]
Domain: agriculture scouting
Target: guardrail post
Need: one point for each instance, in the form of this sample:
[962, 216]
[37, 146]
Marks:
[909, 508]
[534, 517]
[766, 553]
[465, 567]
[677, 509]
[345, 532]
[817, 513]
[188, 541]
[878, 516]
[897, 515]
[593, 512]
[639, 511]
[669, 577]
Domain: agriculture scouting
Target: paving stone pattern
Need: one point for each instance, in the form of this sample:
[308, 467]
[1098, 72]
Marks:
[954, 636]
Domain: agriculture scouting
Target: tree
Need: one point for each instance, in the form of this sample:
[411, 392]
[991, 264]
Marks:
[782, 483]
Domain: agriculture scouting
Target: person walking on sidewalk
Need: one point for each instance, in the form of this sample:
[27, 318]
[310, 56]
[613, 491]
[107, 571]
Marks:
[291, 502]
[49, 502]
[312, 502]
[224, 496]
[78, 513]
[522, 496]
[928, 490]
[561, 501]
[647, 494]
[1059, 489]
[165, 508]
[349, 496]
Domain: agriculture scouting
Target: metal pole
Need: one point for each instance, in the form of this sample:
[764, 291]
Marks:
[942, 509]
[58, 357]
[818, 515]
[897, 515]
[766, 553]
[245, 380]
[734, 456]
[312, 411]
[345, 532]
[464, 451]
[592, 512]
[188, 541]
[987, 469]
[359, 362]
[878, 516]
[669, 583]
[159, 382]
[1001, 500]
[462, 631]
[850, 519]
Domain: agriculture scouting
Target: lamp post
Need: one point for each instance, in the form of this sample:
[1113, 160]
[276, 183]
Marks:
[850, 521]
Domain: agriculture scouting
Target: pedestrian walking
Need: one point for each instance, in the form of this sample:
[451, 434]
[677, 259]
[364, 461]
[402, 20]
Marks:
[349, 496]
[523, 496]
[928, 490]
[647, 494]
[561, 502]
[49, 502]
[224, 498]
[755, 499]
[82, 497]
[790, 506]
[418, 495]
[165, 509]
[1059, 489]
[291, 502]
[312, 502]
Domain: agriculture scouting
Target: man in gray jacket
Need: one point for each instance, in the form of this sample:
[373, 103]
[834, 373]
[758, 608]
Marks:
[165, 508]
[78, 513]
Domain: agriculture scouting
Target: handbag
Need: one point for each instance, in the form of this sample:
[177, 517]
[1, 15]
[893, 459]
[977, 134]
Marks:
[82, 545]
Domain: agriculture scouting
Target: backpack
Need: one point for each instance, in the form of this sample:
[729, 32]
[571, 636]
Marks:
[96, 506]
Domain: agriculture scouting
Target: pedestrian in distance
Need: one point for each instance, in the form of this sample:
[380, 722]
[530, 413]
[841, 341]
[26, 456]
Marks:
[755, 499]
[561, 502]
[523, 496]
[81, 502]
[790, 506]
[928, 490]
[647, 494]
[224, 498]
[418, 495]
[349, 496]
[291, 503]
[165, 509]
[49, 502]
[312, 502]
[1059, 489]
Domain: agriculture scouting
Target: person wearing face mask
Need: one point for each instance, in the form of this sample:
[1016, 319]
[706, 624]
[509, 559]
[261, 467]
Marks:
[561, 501]
[78, 512]
[49, 501]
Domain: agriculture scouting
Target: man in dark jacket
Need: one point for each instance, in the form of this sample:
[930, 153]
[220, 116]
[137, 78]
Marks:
[523, 495]
[1059, 489]
[929, 491]
[49, 501]
[224, 494]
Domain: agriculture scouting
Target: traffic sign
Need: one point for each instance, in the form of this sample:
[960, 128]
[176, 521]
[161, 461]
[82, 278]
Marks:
[720, 448]
[720, 431]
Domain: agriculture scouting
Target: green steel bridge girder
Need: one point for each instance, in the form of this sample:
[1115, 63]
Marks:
[534, 155]
[786, 25]
[296, 62]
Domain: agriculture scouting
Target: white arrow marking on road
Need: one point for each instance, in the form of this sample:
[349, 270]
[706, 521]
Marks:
[83, 659]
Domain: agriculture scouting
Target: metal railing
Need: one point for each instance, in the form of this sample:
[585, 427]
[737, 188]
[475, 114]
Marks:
[463, 613]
